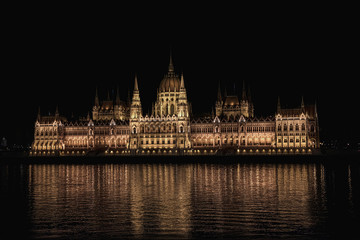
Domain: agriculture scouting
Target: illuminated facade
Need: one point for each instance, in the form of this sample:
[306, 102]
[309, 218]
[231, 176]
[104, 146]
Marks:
[117, 127]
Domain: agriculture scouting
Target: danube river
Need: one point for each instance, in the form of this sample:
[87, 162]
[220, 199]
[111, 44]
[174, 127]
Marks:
[180, 201]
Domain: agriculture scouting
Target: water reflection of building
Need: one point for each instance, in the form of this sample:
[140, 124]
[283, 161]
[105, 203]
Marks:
[139, 199]
[135, 197]
[118, 127]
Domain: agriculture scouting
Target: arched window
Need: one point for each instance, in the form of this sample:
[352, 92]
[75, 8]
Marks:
[291, 127]
[181, 129]
[297, 127]
[285, 127]
[172, 109]
[312, 128]
[303, 127]
[279, 127]
[134, 130]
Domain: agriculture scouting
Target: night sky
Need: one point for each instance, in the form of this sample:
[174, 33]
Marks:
[59, 59]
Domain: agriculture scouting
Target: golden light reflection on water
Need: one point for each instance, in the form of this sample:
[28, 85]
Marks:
[178, 199]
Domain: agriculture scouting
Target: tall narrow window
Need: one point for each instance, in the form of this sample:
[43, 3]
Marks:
[312, 128]
[172, 109]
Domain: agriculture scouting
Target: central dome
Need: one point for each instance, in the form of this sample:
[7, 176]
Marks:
[170, 82]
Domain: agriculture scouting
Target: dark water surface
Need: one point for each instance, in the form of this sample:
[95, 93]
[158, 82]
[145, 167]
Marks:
[152, 201]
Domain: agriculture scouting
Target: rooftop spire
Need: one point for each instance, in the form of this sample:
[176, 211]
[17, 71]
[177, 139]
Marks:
[302, 103]
[96, 98]
[38, 115]
[136, 84]
[57, 111]
[249, 93]
[243, 96]
[278, 105]
[182, 84]
[117, 101]
[219, 93]
[171, 66]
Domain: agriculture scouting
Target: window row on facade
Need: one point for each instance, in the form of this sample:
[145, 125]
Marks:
[231, 129]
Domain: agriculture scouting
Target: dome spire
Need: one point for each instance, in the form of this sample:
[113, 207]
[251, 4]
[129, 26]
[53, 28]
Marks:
[171, 66]
[136, 84]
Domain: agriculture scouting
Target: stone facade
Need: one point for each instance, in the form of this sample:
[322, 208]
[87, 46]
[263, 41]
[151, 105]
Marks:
[117, 127]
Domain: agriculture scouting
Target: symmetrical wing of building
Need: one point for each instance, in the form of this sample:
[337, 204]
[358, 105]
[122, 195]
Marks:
[118, 127]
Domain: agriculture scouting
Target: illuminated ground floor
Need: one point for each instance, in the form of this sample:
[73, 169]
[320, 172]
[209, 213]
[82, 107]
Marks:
[187, 152]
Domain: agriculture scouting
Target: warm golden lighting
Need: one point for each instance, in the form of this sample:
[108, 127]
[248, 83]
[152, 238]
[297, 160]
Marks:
[122, 126]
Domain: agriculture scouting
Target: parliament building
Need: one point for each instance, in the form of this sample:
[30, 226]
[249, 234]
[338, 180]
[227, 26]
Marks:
[120, 128]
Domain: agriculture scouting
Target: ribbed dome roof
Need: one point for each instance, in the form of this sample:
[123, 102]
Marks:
[170, 81]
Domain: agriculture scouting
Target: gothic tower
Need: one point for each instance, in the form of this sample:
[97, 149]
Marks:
[135, 108]
[219, 103]
[96, 107]
[183, 117]
[244, 103]
[135, 114]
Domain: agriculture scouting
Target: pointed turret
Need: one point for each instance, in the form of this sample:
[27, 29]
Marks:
[302, 104]
[182, 95]
[182, 106]
[249, 94]
[219, 99]
[117, 101]
[182, 83]
[135, 109]
[219, 102]
[243, 95]
[57, 112]
[38, 115]
[97, 103]
[278, 105]
[136, 88]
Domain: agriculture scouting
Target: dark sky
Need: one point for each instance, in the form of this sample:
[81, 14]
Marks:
[59, 59]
